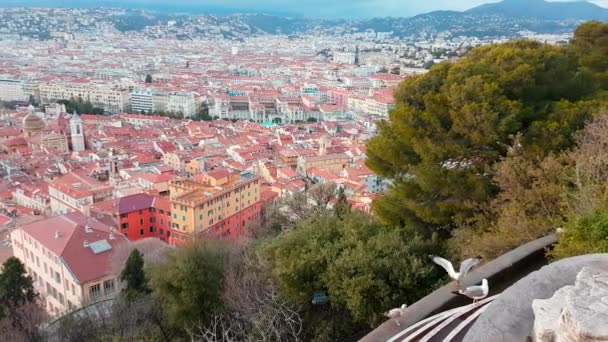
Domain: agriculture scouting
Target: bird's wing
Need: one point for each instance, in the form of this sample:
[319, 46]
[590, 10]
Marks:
[468, 264]
[445, 264]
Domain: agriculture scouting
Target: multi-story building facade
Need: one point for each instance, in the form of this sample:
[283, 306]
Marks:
[33, 198]
[345, 57]
[137, 216]
[378, 106]
[68, 258]
[142, 101]
[12, 90]
[182, 102]
[111, 99]
[74, 191]
[332, 161]
[221, 202]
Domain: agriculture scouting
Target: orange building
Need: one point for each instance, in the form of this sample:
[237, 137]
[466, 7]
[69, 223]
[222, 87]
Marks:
[221, 202]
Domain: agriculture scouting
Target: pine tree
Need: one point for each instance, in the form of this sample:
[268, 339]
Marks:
[16, 287]
[135, 277]
[342, 207]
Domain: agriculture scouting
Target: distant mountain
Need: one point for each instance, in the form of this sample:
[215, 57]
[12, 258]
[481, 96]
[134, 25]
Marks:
[540, 9]
[506, 19]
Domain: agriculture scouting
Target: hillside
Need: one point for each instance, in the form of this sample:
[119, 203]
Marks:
[540, 9]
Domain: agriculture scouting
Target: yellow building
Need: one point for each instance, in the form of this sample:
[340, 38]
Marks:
[220, 202]
[332, 161]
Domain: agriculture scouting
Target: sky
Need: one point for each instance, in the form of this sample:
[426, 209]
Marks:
[311, 8]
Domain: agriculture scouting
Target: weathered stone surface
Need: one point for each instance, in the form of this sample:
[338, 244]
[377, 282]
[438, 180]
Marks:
[510, 317]
[585, 313]
[546, 315]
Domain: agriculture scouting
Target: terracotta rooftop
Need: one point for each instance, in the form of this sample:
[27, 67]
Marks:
[66, 237]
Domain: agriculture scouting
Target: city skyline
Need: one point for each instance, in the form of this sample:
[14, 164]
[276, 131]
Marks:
[310, 8]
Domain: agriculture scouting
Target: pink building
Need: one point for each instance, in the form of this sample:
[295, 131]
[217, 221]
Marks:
[68, 257]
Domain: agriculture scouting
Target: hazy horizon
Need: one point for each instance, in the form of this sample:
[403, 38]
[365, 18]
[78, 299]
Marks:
[309, 8]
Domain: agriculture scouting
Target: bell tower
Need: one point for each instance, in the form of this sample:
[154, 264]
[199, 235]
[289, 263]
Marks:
[77, 133]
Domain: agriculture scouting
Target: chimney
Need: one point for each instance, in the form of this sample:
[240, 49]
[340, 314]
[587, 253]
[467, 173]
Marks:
[85, 244]
[57, 234]
[112, 236]
[88, 229]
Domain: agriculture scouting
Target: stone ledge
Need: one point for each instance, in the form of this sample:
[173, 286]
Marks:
[510, 317]
[514, 264]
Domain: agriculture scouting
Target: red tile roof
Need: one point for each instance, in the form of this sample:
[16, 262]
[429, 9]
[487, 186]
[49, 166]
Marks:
[65, 236]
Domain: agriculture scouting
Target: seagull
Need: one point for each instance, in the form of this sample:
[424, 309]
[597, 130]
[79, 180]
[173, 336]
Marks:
[476, 292]
[396, 313]
[465, 267]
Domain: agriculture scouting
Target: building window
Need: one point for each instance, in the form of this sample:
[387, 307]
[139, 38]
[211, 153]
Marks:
[108, 287]
[141, 232]
[95, 291]
[200, 217]
[141, 221]
[124, 225]
[162, 231]
[57, 277]
[151, 229]
[123, 216]
[141, 212]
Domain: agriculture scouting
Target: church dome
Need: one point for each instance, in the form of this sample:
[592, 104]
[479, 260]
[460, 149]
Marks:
[33, 123]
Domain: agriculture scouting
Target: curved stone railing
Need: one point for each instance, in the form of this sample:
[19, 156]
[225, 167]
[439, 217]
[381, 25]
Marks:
[500, 272]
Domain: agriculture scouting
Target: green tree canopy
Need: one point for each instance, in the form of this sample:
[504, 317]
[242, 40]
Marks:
[365, 267]
[342, 207]
[189, 283]
[590, 43]
[135, 277]
[452, 124]
[16, 287]
[586, 234]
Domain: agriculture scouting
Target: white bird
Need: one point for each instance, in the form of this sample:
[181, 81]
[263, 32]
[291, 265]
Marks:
[476, 292]
[396, 313]
[465, 267]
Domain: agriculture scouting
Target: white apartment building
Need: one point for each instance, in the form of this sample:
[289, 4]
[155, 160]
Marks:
[12, 90]
[310, 89]
[142, 101]
[182, 102]
[68, 258]
[112, 100]
[369, 106]
[345, 57]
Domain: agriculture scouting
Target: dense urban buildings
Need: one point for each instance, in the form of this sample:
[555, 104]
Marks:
[181, 130]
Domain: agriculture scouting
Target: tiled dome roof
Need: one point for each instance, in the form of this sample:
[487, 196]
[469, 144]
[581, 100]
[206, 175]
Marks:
[33, 123]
